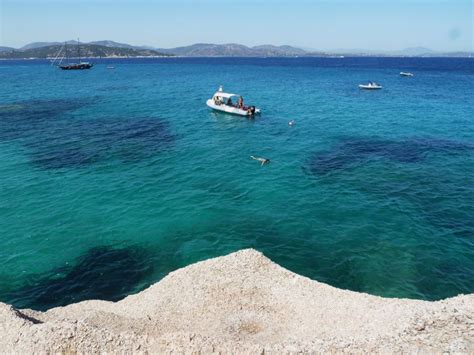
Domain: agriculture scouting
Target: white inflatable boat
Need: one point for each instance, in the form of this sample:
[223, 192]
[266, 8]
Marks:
[231, 103]
[370, 86]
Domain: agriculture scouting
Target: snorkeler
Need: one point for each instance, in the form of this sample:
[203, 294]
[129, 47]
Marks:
[262, 160]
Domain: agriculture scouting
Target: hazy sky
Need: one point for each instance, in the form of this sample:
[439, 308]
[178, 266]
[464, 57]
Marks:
[317, 24]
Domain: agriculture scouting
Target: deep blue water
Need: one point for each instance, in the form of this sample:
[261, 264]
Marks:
[110, 179]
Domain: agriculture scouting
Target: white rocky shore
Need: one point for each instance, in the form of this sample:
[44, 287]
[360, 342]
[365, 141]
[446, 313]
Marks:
[243, 303]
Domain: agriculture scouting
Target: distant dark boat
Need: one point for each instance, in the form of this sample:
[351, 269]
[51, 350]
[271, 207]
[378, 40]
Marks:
[70, 66]
[78, 66]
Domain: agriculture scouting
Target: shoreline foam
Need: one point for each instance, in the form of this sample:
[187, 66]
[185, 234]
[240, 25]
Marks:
[243, 302]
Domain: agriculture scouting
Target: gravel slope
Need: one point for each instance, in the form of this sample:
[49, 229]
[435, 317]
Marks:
[243, 302]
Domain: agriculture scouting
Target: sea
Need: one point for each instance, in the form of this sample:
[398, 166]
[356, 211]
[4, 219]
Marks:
[112, 178]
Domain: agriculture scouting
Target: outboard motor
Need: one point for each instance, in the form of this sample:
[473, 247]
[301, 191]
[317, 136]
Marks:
[251, 110]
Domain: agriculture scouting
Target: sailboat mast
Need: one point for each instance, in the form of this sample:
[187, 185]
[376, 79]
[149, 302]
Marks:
[75, 65]
[65, 50]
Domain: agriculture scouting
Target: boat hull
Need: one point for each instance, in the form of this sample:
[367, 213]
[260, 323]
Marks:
[370, 87]
[81, 66]
[230, 110]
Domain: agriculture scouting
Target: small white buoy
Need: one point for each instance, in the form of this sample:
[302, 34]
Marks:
[291, 123]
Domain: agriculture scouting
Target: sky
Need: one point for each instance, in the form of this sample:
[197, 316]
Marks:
[445, 25]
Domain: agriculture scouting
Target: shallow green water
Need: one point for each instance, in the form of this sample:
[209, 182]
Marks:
[116, 177]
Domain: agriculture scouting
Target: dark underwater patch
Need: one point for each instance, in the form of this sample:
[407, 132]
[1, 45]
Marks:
[351, 152]
[62, 158]
[85, 142]
[103, 273]
[57, 141]
[43, 109]
[26, 118]
[441, 197]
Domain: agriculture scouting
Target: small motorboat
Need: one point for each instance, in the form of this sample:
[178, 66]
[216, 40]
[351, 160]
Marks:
[231, 103]
[402, 73]
[370, 86]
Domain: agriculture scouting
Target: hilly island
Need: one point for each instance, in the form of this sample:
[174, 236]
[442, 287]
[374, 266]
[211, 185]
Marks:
[112, 49]
[86, 50]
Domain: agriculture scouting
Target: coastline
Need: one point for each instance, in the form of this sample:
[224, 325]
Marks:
[243, 302]
[253, 57]
[114, 57]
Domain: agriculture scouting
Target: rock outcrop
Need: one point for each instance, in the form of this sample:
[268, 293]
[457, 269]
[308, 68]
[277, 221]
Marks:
[243, 302]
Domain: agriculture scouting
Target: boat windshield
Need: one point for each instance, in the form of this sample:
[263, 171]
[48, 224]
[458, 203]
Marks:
[221, 98]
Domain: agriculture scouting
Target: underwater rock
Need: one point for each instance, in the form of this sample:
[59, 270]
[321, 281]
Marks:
[56, 140]
[351, 152]
[102, 273]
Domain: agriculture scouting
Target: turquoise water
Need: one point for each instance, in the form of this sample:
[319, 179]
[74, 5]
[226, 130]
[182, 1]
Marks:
[110, 179]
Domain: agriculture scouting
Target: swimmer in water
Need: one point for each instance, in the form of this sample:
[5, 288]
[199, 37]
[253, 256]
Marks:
[262, 160]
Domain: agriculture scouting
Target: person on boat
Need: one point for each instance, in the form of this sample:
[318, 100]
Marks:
[229, 102]
[240, 104]
[217, 100]
[262, 160]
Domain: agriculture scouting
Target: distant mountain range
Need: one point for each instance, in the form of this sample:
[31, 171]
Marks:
[6, 49]
[105, 43]
[88, 50]
[107, 48]
[234, 50]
